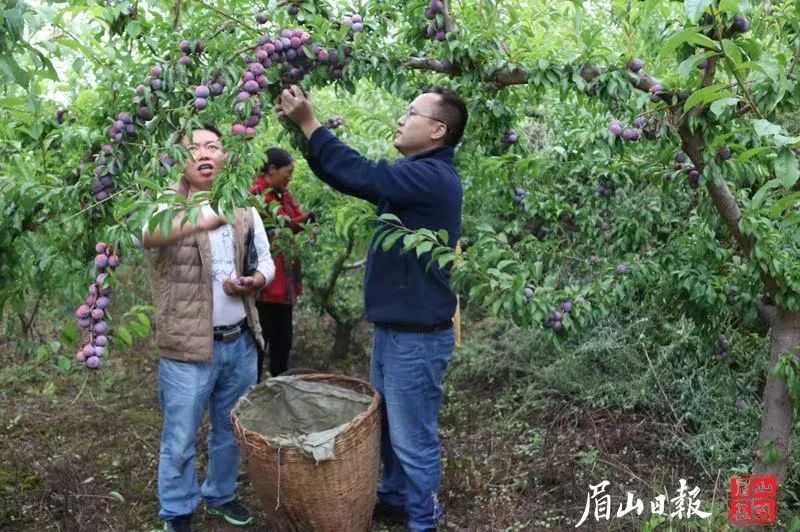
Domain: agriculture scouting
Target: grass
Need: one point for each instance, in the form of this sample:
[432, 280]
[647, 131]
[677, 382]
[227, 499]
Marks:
[640, 401]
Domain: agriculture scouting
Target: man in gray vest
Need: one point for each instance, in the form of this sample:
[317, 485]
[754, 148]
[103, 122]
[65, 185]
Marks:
[207, 331]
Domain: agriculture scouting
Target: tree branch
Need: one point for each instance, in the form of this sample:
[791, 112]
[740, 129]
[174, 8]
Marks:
[355, 265]
[336, 271]
[449, 26]
[692, 141]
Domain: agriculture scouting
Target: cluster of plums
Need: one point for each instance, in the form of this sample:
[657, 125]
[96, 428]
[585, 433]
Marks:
[92, 315]
[434, 12]
[555, 319]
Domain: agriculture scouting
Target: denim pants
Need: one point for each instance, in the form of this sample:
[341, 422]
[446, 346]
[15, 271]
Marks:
[407, 369]
[185, 389]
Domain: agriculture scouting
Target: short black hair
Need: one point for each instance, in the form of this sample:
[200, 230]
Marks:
[277, 157]
[453, 112]
[212, 128]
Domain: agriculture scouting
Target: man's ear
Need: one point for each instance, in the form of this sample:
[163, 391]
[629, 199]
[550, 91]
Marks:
[439, 132]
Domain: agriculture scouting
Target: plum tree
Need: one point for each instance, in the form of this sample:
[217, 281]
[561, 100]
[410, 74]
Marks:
[593, 94]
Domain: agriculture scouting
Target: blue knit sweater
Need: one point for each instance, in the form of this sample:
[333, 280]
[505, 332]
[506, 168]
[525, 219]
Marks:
[424, 191]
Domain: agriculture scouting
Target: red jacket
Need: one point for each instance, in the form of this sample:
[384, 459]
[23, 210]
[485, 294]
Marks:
[286, 286]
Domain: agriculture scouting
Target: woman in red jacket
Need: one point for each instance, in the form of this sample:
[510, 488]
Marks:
[277, 299]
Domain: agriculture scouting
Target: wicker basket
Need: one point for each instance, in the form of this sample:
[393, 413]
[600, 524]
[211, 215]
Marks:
[335, 495]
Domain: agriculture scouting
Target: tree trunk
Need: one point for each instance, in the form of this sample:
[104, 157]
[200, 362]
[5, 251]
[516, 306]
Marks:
[343, 340]
[776, 425]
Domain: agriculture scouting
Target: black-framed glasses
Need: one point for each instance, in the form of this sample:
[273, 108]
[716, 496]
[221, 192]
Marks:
[410, 112]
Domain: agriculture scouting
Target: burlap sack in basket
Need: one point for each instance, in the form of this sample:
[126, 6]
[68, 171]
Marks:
[334, 491]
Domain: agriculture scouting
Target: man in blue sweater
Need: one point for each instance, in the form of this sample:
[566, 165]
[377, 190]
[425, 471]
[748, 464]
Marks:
[412, 309]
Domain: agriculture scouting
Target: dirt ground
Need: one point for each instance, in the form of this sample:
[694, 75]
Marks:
[79, 452]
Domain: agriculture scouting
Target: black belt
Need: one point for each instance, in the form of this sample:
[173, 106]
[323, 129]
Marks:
[229, 333]
[412, 328]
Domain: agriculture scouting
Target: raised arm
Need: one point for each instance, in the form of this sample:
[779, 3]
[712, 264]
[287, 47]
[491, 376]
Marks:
[155, 239]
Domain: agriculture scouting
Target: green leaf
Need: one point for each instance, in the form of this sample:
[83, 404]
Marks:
[786, 168]
[125, 335]
[720, 106]
[424, 248]
[503, 263]
[730, 6]
[147, 183]
[766, 128]
[707, 95]
[752, 152]
[69, 333]
[733, 52]
[390, 240]
[784, 203]
[758, 197]
[446, 259]
[695, 8]
[690, 35]
[388, 217]
[688, 65]
[64, 363]
[138, 328]
[144, 320]
[9, 65]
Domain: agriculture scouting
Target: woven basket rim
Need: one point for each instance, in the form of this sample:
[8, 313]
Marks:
[248, 434]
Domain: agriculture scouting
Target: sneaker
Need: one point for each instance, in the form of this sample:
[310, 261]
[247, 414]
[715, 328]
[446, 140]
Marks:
[182, 523]
[233, 512]
[387, 513]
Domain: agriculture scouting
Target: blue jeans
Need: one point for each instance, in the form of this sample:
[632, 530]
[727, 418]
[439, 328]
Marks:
[185, 389]
[407, 369]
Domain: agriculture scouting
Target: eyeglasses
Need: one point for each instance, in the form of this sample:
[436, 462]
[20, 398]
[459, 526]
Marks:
[410, 112]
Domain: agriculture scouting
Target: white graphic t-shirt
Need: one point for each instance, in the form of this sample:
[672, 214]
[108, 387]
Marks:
[230, 309]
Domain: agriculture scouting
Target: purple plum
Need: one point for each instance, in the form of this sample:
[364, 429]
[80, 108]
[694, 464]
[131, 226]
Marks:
[741, 24]
[615, 127]
[528, 292]
[631, 134]
[251, 86]
[635, 64]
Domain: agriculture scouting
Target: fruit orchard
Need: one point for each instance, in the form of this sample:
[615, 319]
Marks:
[620, 155]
